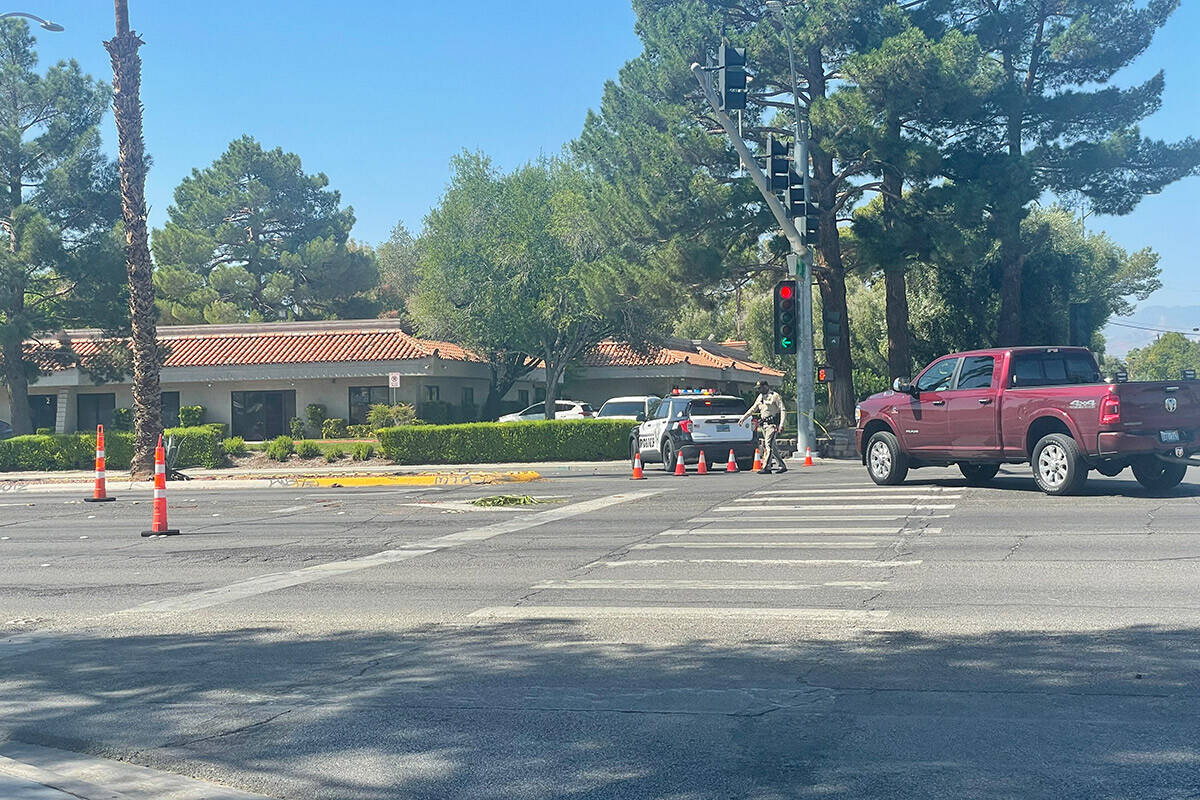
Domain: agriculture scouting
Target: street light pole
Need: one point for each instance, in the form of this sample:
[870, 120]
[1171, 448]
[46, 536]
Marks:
[805, 369]
[45, 23]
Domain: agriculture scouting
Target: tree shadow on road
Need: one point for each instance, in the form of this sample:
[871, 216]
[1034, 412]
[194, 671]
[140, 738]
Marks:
[551, 709]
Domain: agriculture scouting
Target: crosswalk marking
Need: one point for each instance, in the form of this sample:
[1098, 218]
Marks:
[815, 518]
[865, 490]
[873, 507]
[794, 531]
[674, 612]
[706, 585]
[790, 562]
[910, 499]
[860, 545]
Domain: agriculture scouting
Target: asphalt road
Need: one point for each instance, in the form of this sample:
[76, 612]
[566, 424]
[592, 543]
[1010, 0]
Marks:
[727, 636]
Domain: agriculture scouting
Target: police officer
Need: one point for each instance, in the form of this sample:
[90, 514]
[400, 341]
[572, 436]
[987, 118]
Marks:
[769, 407]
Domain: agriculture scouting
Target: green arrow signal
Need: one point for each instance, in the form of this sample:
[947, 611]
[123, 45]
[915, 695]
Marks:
[785, 342]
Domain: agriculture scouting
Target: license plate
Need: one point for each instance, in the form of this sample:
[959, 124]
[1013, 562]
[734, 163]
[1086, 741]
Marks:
[722, 429]
[1168, 436]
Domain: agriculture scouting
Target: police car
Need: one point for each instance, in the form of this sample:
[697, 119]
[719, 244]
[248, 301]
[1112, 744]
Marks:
[689, 421]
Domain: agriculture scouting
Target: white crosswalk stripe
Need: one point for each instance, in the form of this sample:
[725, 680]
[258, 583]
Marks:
[816, 540]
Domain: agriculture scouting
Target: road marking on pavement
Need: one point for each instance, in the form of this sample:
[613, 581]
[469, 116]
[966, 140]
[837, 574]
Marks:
[796, 531]
[675, 612]
[871, 507]
[74, 775]
[293, 509]
[865, 499]
[812, 518]
[263, 584]
[859, 545]
[706, 585]
[872, 490]
[787, 562]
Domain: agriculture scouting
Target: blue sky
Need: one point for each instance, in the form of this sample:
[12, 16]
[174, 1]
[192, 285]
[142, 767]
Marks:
[380, 94]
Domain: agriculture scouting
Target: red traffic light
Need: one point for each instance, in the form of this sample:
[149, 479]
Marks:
[786, 290]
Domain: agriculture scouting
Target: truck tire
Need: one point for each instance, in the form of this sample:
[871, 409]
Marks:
[978, 474]
[886, 464]
[1058, 467]
[1158, 476]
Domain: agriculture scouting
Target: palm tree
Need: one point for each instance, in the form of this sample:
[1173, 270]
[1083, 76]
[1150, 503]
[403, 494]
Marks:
[131, 161]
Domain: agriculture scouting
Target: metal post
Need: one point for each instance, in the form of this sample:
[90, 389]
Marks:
[805, 369]
[804, 348]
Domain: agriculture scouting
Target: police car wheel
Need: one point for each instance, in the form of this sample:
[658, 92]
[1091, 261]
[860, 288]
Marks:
[668, 456]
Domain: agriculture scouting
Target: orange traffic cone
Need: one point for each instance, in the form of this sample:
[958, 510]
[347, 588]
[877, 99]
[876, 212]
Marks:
[680, 469]
[160, 494]
[757, 460]
[100, 493]
[731, 465]
[637, 468]
[808, 462]
[702, 465]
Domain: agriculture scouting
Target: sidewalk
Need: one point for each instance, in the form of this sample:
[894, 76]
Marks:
[318, 475]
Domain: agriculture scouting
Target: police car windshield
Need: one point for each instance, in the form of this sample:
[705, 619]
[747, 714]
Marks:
[713, 406]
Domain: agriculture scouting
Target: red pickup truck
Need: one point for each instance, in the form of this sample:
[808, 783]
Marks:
[1045, 405]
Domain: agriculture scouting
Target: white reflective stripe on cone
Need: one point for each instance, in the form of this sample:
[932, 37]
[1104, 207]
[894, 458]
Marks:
[160, 469]
[160, 494]
[99, 454]
[99, 474]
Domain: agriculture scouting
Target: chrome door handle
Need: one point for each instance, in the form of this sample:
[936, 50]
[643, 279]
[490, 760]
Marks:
[939, 402]
[983, 401]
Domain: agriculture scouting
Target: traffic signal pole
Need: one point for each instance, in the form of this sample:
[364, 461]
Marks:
[799, 265]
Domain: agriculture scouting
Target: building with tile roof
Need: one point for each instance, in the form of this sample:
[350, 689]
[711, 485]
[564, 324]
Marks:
[256, 377]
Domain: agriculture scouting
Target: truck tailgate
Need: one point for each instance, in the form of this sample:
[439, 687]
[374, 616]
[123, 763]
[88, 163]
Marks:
[1164, 406]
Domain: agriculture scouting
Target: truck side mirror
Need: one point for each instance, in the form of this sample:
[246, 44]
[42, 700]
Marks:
[903, 386]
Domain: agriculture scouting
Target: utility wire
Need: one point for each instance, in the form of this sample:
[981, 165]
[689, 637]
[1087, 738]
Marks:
[1154, 330]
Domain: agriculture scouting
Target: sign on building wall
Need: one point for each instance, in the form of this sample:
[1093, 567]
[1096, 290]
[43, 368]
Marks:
[393, 380]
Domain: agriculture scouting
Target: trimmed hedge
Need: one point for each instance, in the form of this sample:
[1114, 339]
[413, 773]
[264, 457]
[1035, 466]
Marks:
[198, 447]
[492, 442]
[64, 452]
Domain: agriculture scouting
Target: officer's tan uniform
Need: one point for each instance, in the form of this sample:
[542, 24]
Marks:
[770, 408]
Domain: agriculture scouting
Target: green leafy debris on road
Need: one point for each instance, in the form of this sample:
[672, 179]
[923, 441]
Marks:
[503, 500]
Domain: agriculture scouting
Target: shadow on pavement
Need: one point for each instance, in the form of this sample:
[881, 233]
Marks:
[545, 710]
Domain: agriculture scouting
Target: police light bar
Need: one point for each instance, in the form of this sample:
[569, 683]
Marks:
[677, 391]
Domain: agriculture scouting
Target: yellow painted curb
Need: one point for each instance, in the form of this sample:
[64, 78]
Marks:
[427, 479]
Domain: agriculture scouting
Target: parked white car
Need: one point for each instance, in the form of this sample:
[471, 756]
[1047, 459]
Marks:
[629, 407]
[563, 409]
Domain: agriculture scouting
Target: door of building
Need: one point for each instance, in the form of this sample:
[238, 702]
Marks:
[94, 409]
[259, 416]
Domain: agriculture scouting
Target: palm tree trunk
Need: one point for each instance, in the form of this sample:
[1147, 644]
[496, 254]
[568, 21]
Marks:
[131, 161]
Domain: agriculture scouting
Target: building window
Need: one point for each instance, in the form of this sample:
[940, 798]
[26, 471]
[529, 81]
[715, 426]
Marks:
[258, 416]
[432, 394]
[94, 409]
[43, 411]
[361, 400]
[539, 394]
[468, 397]
[170, 409]
[523, 397]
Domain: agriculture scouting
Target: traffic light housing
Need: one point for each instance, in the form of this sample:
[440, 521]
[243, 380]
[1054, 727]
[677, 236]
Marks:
[794, 199]
[823, 374]
[832, 322]
[778, 169]
[786, 296]
[731, 77]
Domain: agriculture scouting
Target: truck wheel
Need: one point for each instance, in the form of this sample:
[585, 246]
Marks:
[1058, 468]
[1158, 476]
[886, 464]
[978, 474]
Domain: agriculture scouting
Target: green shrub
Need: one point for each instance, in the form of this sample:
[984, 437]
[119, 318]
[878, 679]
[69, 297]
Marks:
[122, 419]
[334, 454]
[362, 451]
[334, 428]
[280, 448]
[64, 452]
[360, 431]
[234, 446]
[381, 415]
[314, 413]
[491, 442]
[307, 449]
[296, 426]
[45, 431]
[220, 429]
[191, 416]
[198, 446]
